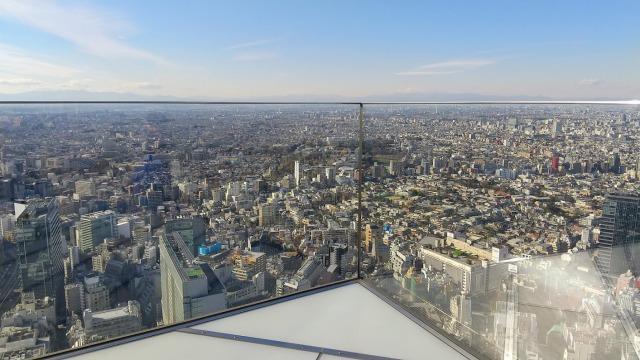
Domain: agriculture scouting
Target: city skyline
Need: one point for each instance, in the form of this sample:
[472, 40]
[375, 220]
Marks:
[249, 50]
[511, 228]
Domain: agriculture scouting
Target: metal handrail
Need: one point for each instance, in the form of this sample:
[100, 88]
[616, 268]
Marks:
[364, 103]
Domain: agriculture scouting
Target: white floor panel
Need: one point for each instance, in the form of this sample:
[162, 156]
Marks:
[178, 345]
[348, 318]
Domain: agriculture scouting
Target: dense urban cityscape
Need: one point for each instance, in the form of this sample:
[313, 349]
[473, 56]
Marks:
[513, 229]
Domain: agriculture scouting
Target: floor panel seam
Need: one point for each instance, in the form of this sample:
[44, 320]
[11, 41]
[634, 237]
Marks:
[284, 344]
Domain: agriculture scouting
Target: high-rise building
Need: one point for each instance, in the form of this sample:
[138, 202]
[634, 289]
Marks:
[267, 214]
[154, 199]
[192, 229]
[6, 189]
[96, 293]
[371, 233]
[330, 174]
[96, 227]
[556, 128]
[74, 297]
[189, 289]
[619, 241]
[141, 233]
[338, 257]
[40, 250]
[616, 165]
[297, 172]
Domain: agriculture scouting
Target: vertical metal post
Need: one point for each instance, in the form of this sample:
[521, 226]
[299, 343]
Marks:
[360, 181]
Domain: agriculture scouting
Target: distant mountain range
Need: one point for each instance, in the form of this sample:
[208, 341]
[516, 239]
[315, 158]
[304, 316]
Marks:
[79, 95]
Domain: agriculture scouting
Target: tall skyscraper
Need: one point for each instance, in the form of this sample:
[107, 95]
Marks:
[619, 242]
[189, 289]
[556, 128]
[40, 250]
[296, 172]
[96, 227]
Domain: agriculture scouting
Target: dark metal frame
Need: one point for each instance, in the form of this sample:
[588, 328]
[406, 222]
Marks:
[360, 103]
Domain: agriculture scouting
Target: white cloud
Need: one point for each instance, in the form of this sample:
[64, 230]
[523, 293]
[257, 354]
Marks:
[87, 28]
[141, 85]
[19, 82]
[454, 65]
[590, 82]
[425, 73]
[447, 67]
[21, 64]
[76, 84]
[256, 56]
[252, 44]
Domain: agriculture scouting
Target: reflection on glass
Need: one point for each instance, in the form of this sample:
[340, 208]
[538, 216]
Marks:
[515, 230]
[121, 218]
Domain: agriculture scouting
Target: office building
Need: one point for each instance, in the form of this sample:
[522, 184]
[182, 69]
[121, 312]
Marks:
[96, 294]
[74, 297]
[267, 215]
[189, 289]
[192, 230]
[619, 241]
[246, 264]
[101, 325]
[371, 233]
[96, 227]
[40, 250]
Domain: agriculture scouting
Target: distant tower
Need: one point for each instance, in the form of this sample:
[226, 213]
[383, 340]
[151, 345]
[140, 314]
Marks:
[619, 241]
[556, 128]
[555, 163]
[296, 172]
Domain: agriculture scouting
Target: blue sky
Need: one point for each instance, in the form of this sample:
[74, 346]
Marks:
[322, 49]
